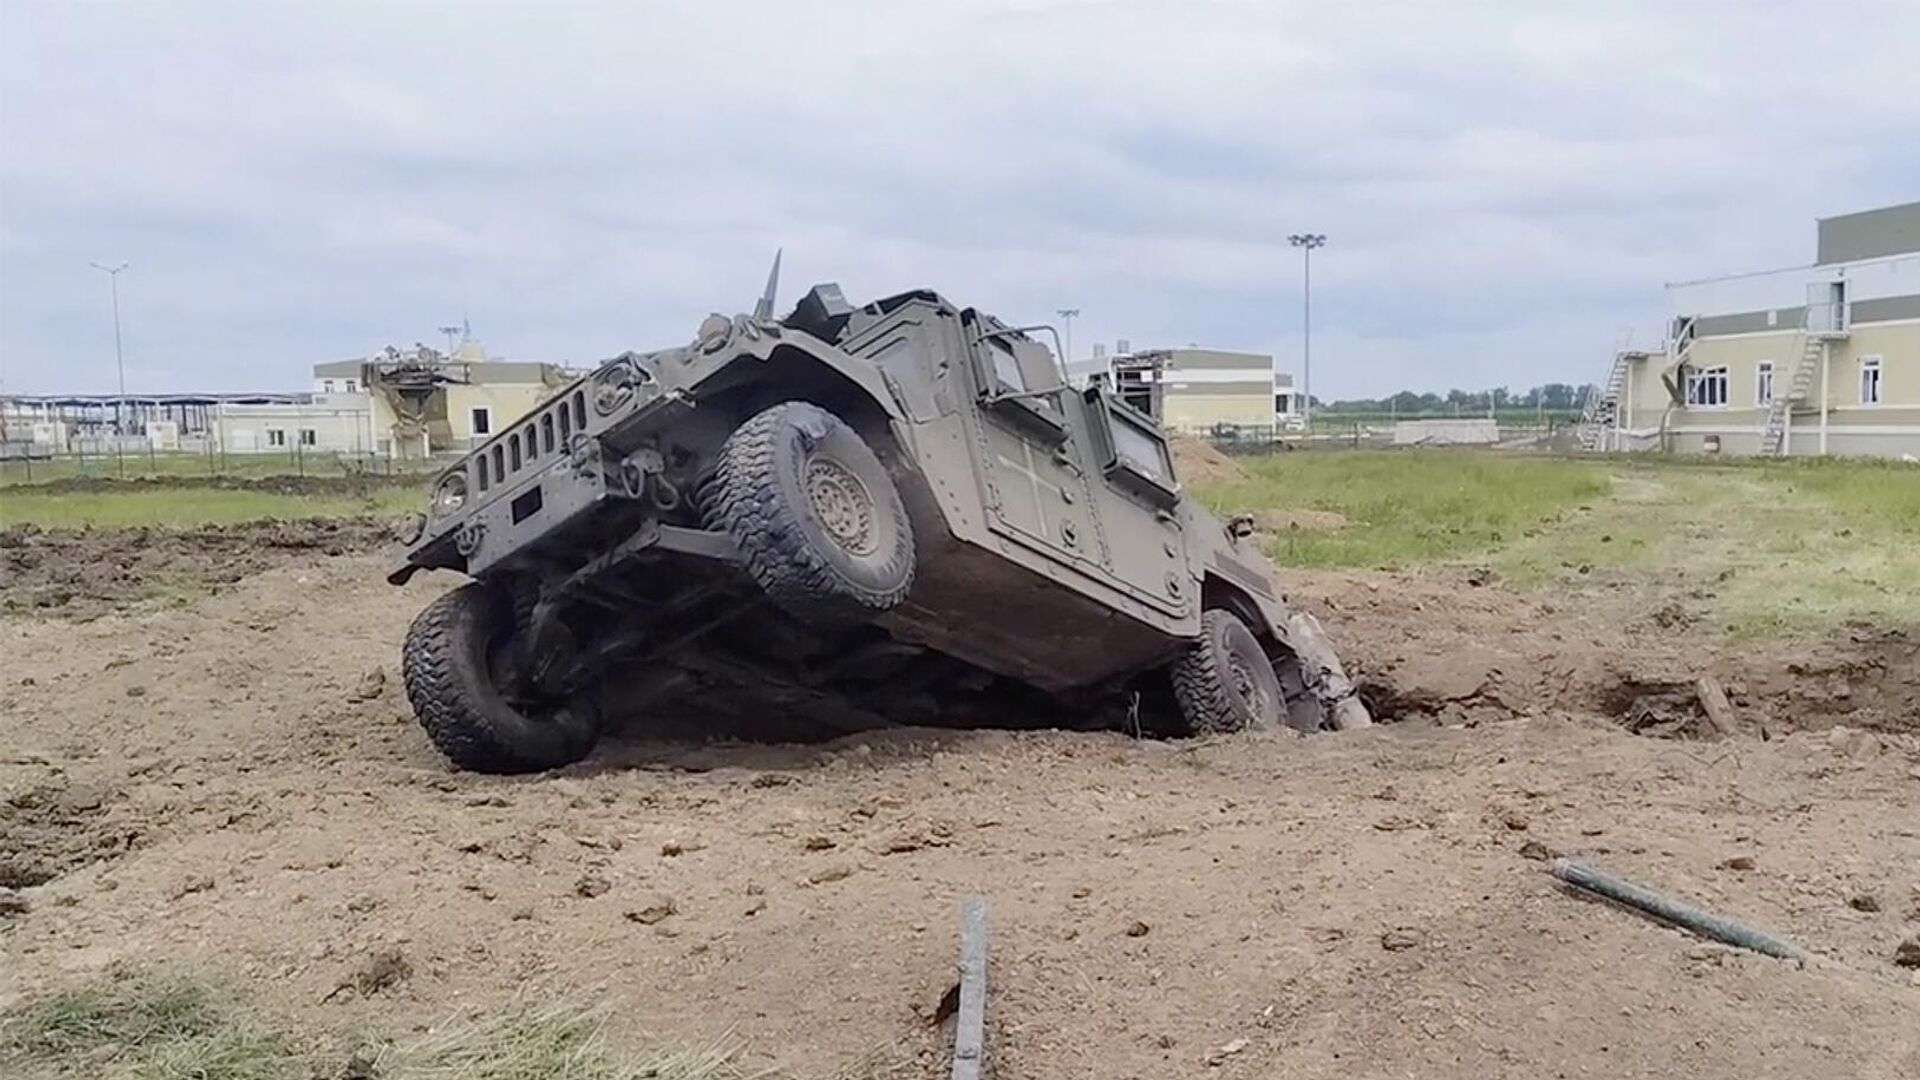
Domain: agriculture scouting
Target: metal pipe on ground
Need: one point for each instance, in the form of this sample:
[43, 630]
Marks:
[1584, 877]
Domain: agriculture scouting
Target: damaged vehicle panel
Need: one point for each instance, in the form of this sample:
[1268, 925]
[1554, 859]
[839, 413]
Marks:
[844, 518]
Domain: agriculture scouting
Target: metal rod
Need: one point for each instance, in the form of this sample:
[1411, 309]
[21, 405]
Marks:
[970, 1021]
[1585, 877]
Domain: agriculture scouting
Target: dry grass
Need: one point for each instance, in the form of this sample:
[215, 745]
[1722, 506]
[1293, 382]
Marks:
[131, 1028]
[549, 1041]
[134, 1028]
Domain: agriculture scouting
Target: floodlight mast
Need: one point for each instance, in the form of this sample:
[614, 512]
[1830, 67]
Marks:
[1306, 242]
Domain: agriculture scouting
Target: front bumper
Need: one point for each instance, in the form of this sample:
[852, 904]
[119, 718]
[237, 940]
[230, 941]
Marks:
[525, 507]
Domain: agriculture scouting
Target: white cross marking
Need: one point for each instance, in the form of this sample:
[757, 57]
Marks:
[1032, 472]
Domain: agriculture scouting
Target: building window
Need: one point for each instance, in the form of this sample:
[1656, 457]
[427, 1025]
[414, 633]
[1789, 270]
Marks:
[1869, 380]
[1707, 387]
[1763, 383]
[326, 386]
[482, 422]
[309, 437]
[350, 387]
[276, 437]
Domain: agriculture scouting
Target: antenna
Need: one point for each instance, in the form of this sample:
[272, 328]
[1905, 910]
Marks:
[763, 310]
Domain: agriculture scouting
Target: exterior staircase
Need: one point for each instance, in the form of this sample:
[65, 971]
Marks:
[1813, 349]
[1601, 409]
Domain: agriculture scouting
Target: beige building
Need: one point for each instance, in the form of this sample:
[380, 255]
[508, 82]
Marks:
[1820, 359]
[1208, 392]
[421, 402]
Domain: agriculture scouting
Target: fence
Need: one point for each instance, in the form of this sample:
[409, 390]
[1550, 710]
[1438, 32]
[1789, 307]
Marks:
[1365, 431]
[131, 459]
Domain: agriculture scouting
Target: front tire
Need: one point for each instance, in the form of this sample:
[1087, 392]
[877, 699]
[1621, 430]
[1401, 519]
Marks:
[450, 684]
[1226, 681]
[821, 526]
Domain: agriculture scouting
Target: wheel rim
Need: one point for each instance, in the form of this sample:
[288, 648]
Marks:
[1248, 690]
[842, 504]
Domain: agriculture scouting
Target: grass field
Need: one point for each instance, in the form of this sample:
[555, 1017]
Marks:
[1785, 545]
[1406, 507]
[179, 508]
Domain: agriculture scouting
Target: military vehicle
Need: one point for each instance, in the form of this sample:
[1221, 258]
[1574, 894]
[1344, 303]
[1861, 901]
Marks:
[849, 517]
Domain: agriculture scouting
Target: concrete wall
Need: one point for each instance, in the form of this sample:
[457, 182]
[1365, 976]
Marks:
[1459, 432]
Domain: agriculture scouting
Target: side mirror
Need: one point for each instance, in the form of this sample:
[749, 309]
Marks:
[1240, 526]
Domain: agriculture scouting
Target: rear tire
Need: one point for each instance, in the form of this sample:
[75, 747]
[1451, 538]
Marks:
[1226, 682]
[454, 697]
[821, 525]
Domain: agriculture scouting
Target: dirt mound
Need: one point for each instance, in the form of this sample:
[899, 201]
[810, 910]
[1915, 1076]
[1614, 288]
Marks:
[85, 572]
[347, 484]
[1199, 462]
[1453, 646]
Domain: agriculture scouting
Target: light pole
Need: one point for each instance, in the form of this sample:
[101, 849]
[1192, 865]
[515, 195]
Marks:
[1067, 315]
[1306, 242]
[119, 363]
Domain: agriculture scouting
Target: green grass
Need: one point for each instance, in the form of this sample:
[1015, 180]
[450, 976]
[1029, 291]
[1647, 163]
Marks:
[1406, 507]
[1763, 547]
[1769, 548]
[178, 508]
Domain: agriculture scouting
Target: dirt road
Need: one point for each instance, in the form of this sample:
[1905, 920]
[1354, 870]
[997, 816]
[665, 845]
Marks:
[222, 784]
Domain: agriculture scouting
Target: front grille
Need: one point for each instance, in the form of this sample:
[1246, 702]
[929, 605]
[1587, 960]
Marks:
[535, 437]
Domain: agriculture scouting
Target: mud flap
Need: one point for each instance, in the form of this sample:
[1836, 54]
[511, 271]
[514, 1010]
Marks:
[1328, 695]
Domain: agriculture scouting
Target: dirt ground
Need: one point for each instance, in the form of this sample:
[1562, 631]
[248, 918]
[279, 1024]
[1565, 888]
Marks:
[228, 783]
[84, 573]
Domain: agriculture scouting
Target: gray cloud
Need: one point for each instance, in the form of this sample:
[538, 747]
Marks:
[1506, 184]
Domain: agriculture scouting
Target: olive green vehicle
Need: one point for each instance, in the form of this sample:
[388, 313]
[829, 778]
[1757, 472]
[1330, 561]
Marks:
[850, 517]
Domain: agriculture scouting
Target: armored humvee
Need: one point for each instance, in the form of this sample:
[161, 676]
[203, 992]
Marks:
[844, 518]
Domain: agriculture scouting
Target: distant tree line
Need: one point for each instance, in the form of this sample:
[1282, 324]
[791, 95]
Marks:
[1552, 398]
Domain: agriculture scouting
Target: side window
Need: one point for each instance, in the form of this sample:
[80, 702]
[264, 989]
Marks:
[1018, 383]
[482, 422]
[1132, 450]
[1006, 367]
[1142, 452]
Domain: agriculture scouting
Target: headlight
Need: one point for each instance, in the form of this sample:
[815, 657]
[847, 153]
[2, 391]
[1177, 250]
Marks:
[450, 494]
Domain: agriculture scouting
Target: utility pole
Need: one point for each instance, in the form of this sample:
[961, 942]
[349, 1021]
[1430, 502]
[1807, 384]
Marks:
[120, 362]
[1306, 242]
[1067, 315]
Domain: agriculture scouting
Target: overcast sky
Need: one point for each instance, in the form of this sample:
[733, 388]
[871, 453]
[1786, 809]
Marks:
[1506, 185]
